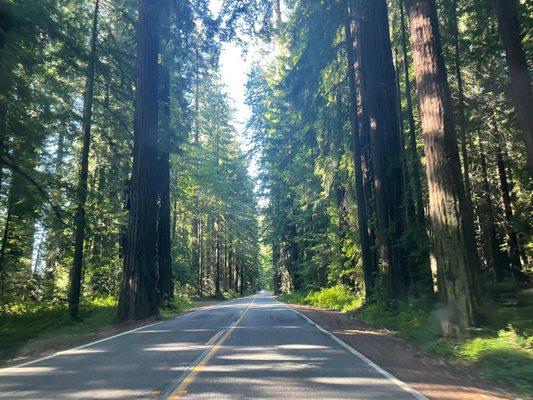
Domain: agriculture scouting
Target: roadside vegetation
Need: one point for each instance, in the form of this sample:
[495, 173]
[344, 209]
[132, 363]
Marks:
[502, 348]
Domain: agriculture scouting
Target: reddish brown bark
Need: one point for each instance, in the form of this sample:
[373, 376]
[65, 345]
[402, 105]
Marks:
[452, 231]
[139, 296]
[369, 265]
[379, 95]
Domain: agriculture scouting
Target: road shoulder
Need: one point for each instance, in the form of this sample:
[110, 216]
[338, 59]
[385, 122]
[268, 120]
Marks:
[430, 376]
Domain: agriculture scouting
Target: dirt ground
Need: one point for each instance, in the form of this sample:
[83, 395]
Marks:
[433, 377]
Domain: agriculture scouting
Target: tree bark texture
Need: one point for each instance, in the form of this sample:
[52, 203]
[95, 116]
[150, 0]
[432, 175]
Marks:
[139, 296]
[452, 232]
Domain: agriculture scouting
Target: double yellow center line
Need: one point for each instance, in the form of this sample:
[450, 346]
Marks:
[215, 342]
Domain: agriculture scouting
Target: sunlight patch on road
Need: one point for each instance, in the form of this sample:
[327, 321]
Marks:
[301, 346]
[29, 371]
[109, 393]
[153, 331]
[85, 351]
[350, 380]
[227, 369]
[269, 356]
[178, 346]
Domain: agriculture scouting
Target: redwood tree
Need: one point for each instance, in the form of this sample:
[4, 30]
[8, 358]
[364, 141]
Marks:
[379, 95]
[369, 267]
[139, 295]
[164, 259]
[452, 230]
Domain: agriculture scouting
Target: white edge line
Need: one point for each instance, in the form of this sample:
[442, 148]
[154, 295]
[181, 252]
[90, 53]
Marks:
[63, 352]
[366, 360]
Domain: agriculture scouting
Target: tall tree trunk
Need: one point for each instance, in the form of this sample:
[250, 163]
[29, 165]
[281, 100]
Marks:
[236, 267]
[340, 193]
[512, 238]
[217, 255]
[408, 203]
[200, 258]
[77, 262]
[416, 240]
[276, 275]
[5, 236]
[452, 230]
[461, 112]
[521, 90]
[196, 249]
[241, 289]
[379, 93]
[414, 159]
[164, 252]
[139, 296]
[369, 266]
[230, 267]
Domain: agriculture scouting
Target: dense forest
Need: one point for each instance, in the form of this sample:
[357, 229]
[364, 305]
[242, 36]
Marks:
[394, 152]
[121, 166]
[394, 142]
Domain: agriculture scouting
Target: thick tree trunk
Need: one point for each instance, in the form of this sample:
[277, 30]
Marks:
[77, 262]
[164, 252]
[369, 266]
[139, 296]
[416, 240]
[452, 231]
[379, 93]
[521, 90]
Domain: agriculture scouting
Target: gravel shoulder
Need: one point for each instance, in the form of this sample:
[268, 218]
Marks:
[431, 376]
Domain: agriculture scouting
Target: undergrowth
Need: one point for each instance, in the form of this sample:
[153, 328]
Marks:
[337, 297]
[29, 328]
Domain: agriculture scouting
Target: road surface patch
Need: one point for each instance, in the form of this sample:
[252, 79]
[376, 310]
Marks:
[417, 395]
[179, 386]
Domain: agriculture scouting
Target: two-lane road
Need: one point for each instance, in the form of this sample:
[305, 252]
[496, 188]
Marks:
[251, 348]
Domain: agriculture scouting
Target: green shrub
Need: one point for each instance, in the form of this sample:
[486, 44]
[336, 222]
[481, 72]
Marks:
[293, 297]
[337, 297]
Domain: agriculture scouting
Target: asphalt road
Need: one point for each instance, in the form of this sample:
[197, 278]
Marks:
[250, 348]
